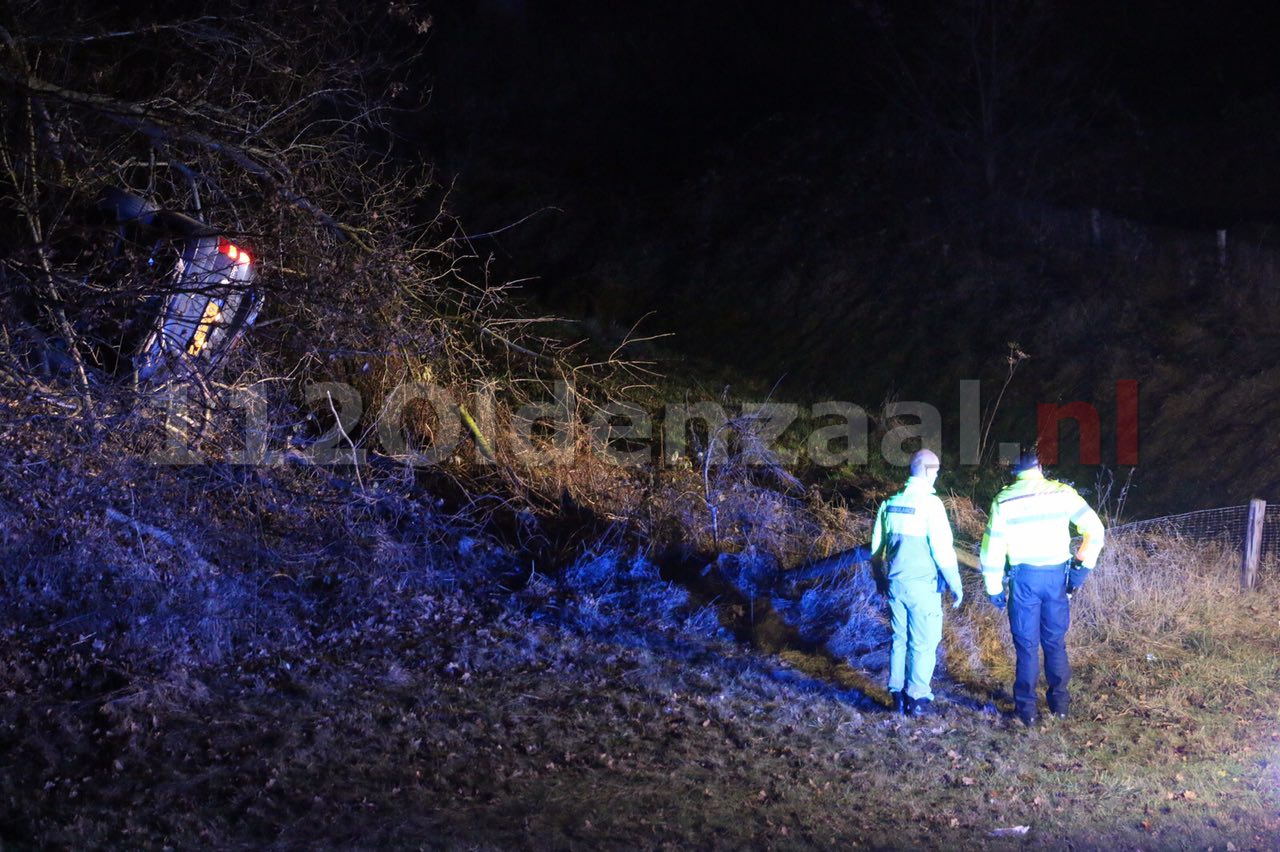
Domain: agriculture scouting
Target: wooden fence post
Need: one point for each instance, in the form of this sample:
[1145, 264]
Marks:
[1252, 543]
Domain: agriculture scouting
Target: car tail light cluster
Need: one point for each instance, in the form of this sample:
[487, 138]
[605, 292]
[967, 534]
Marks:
[228, 248]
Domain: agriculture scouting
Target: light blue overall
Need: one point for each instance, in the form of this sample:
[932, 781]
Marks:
[912, 537]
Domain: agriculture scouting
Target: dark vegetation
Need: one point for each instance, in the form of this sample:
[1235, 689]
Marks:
[879, 198]
[252, 643]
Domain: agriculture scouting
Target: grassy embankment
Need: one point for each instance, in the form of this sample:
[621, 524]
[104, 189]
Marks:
[273, 657]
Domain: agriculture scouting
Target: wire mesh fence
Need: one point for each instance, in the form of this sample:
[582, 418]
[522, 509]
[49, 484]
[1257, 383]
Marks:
[1227, 524]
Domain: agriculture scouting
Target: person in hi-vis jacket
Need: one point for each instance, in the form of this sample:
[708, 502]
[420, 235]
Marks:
[1028, 540]
[913, 559]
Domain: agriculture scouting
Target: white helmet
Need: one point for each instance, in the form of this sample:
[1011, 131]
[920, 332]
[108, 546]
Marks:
[922, 461]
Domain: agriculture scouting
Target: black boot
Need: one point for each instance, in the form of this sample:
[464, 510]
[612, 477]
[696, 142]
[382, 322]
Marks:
[921, 707]
[899, 700]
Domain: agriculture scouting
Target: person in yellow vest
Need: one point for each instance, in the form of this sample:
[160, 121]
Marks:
[912, 560]
[1028, 542]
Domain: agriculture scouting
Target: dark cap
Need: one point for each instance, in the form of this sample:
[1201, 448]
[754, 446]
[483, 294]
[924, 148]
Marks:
[1027, 459]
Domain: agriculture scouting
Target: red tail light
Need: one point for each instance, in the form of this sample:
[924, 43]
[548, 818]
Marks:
[239, 255]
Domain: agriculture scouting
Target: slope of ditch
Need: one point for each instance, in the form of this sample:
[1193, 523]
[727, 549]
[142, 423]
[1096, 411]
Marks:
[225, 667]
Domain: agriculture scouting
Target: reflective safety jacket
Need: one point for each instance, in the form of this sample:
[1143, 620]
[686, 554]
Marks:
[1030, 524]
[912, 537]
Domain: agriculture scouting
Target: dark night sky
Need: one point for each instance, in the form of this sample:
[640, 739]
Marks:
[658, 83]
[629, 89]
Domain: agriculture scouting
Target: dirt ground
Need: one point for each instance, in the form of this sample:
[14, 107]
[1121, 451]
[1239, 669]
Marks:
[472, 719]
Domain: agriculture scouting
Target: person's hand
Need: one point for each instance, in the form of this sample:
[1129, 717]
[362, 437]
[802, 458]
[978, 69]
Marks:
[999, 601]
[880, 575]
[1076, 576]
[958, 594]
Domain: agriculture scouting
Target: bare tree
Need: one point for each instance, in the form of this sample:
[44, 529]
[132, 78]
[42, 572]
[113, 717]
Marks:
[982, 79]
[284, 123]
[290, 125]
[266, 122]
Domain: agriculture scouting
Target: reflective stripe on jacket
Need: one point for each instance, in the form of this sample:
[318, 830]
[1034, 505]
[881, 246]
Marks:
[1030, 524]
[912, 535]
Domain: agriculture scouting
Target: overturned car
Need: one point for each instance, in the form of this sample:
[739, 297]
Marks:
[159, 304]
[207, 299]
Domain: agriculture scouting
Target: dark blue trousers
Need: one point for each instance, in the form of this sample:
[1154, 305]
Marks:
[1039, 616]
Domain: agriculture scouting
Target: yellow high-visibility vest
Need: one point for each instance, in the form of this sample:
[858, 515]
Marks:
[1030, 524]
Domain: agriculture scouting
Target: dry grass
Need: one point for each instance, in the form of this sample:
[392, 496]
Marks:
[360, 672]
[361, 624]
[227, 655]
[967, 520]
[1147, 587]
[1167, 636]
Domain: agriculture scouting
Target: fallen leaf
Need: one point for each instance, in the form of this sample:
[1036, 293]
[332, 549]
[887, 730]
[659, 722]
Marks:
[1189, 794]
[967, 781]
